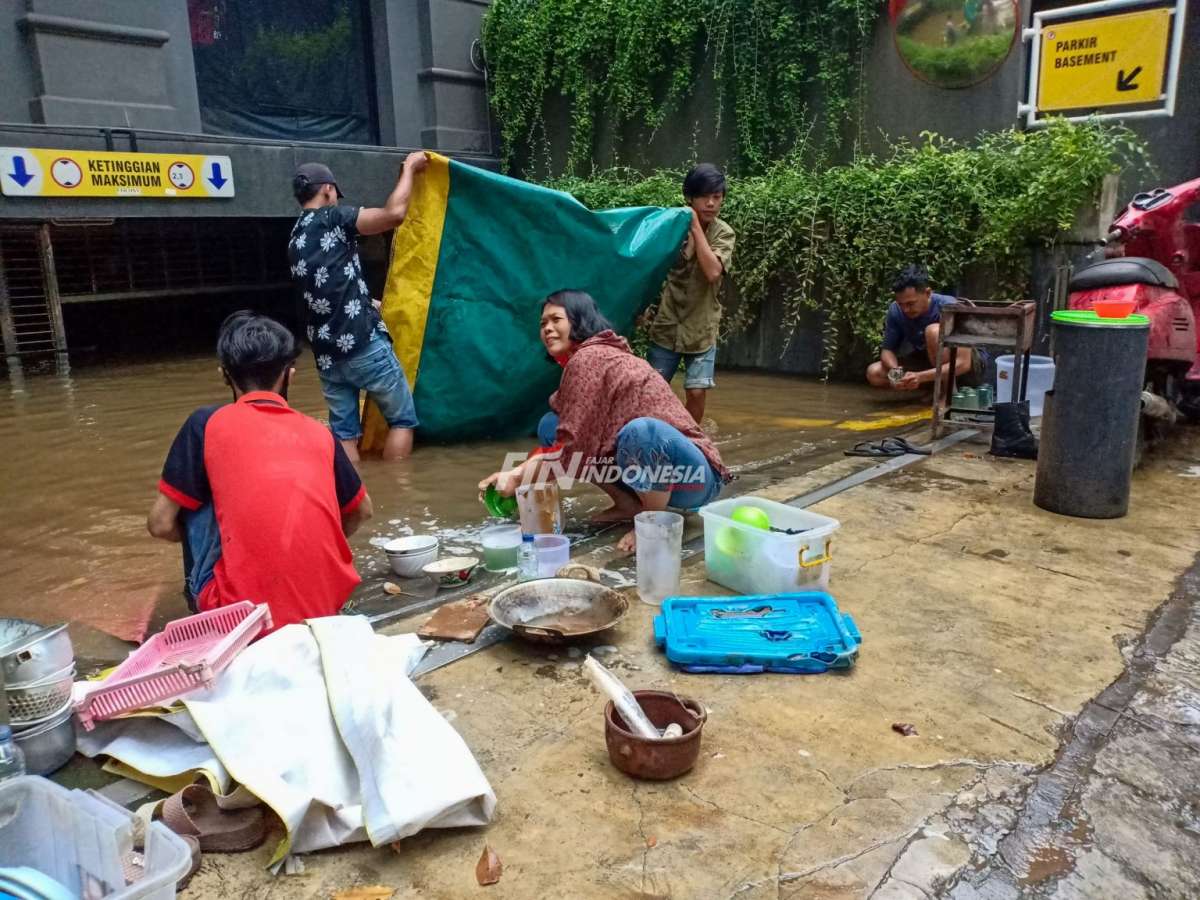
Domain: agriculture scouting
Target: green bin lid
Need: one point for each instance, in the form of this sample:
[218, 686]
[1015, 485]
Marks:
[1089, 317]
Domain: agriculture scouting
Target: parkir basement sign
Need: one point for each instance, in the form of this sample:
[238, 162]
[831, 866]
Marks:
[1105, 61]
[38, 172]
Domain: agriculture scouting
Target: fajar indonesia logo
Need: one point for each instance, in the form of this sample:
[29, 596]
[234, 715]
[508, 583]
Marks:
[658, 475]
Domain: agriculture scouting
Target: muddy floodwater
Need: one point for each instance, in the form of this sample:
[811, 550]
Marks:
[80, 457]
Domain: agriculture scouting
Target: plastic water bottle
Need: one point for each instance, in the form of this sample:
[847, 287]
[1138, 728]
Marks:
[527, 564]
[12, 759]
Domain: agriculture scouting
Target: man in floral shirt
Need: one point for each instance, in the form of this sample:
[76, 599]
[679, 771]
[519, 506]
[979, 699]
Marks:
[352, 345]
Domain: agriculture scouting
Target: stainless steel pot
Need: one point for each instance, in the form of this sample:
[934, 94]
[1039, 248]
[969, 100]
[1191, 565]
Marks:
[30, 652]
[36, 700]
[48, 746]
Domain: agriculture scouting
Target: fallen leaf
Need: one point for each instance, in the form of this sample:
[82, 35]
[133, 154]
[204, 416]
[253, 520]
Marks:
[393, 589]
[366, 892]
[904, 728]
[489, 868]
[652, 842]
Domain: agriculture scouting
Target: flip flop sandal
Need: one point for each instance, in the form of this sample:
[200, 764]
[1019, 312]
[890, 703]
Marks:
[195, 811]
[901, 444]
[875, 450]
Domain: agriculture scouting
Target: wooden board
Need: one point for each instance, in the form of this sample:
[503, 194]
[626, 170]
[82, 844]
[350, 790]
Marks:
[461, 621]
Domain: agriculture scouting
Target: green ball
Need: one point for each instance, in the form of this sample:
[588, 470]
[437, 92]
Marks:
[729, 541]
[752, 516]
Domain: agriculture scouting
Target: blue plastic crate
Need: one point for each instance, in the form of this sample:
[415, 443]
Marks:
[791, 633]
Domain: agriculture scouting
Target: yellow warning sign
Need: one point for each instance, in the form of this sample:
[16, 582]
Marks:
[1105, 61]
[38, 172]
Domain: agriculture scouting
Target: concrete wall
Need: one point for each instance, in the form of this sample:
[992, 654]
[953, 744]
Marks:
[75, 67]
[430, 92]
[689, 133]
[120, 63]
[899, 105]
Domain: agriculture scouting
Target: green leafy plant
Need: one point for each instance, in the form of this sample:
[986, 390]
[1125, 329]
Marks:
[831, 240]
[958, 64]
[636, 60]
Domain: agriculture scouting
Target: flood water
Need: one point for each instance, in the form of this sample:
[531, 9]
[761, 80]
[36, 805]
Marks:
[80, 457]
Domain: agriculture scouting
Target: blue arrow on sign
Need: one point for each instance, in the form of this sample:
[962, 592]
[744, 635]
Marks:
[218, 180]
[18, 174]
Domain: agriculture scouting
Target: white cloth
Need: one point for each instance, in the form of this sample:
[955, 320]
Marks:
[414, 769]
[323, 724]
[159, 747]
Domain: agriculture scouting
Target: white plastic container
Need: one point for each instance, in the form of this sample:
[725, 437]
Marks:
[1041, 379]
[750, 560]
[553, 551]
[79, 839]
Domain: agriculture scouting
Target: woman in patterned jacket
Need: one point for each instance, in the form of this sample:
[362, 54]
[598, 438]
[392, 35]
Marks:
[614, 422]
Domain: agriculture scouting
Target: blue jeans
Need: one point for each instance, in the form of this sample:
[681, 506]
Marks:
[376, 371]
[646, 447]
[699, 368]
[201, 550]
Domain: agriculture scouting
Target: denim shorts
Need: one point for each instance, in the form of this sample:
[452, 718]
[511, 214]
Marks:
[201, 550]
[378, 372]
[699, 368]
[647, 446]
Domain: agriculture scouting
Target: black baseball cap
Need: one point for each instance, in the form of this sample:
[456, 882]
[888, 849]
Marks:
[314, 173]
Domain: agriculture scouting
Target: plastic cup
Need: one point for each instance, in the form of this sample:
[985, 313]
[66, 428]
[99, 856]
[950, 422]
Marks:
[500, 547]
[659, 542]
[553, 552]
[539, 508]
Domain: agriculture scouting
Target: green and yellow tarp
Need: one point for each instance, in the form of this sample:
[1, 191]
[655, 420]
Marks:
[470, 266]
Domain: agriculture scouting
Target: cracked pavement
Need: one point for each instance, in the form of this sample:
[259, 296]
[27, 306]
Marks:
[1051, 667]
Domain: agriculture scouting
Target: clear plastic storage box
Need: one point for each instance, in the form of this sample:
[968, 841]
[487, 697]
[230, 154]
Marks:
[752, 560]
[83, 842]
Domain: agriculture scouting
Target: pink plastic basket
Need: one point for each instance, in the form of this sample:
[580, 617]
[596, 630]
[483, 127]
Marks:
[187, 654]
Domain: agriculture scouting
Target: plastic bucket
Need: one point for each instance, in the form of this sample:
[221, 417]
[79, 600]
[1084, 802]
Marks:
[1041, 379]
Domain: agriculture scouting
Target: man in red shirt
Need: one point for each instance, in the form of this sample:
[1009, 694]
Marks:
[262, 497]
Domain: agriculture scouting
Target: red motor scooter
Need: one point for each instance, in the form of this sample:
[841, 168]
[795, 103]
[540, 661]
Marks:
[1153, 258]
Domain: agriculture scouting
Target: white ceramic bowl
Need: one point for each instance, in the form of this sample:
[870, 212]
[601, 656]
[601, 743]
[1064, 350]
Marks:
[410, 566]
[452, 571]
[409, 546]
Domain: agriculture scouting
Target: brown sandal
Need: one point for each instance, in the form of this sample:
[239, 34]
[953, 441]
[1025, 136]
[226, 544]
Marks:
[196, 811]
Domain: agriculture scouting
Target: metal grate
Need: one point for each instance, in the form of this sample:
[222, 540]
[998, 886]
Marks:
[24, 311]
[158, 257]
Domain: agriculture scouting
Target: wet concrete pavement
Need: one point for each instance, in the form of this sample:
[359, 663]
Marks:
[1057, 747]
[1117, 814]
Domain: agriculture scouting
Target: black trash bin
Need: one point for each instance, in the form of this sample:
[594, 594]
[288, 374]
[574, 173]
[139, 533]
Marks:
[1090, 422]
